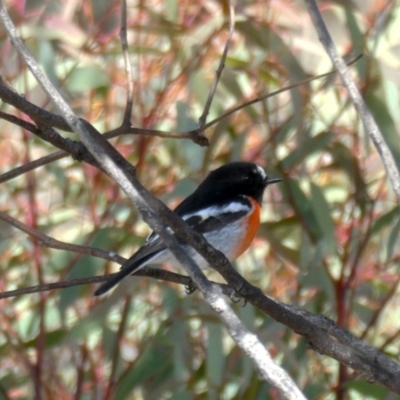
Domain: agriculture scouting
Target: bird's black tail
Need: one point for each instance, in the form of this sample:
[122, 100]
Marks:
[126, 270]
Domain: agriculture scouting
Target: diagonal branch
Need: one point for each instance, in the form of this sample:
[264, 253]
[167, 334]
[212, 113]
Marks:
[40, 162]
[325, 339]
[128, 67]
[269, 95]
[95, 252]
[48, 241]
[82, 154]
[146, 271]
[203, 117]
[123, 173]
[367, 119]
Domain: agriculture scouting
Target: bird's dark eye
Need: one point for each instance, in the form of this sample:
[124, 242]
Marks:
[248, 177]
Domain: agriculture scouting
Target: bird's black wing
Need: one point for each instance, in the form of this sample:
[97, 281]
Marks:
[201, 222]
[143, 256]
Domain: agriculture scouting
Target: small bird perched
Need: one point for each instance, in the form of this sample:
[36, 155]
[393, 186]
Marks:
[225, 208]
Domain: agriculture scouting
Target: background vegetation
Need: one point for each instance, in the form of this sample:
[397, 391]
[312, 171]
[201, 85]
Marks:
[330, 232]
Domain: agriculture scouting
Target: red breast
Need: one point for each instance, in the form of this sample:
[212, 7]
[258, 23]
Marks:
[250, 228]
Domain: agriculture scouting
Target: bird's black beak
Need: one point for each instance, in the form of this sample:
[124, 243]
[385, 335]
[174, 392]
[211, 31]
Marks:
[269, 181]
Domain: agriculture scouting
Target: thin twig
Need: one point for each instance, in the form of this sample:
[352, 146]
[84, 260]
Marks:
[40, 162]
[123, 174]
[116, 350]
[310, 332]
[195, 135]
[267, 96]
[19, 122]
[37, 114]
[203, 117]
[154, 273]
[128, 67]
[52, 286]
[48, 241]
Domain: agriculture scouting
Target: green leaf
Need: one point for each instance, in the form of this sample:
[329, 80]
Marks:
[52, 339]
[171, 10]
[368, 390]
[384, 220]
[305, 253]
[183, 189]
[302, 205]
[385, 122]
[86, 78]
[199, 86]
[154, 362]
[184, 122]
[344, 159]
[392, 243]
[256, 33]
[46, 58]
[238, 144]
[306, 148]
[215, 358]
[86, 266]
[229, 80]
[322, 213]
[357, 40]
[270, 231]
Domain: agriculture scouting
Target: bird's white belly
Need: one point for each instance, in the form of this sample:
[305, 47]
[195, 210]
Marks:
[224, 240]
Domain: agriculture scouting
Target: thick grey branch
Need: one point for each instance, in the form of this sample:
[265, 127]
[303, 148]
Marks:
[123, 173]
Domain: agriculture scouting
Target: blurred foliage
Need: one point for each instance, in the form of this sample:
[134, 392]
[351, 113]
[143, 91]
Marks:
[329, 240]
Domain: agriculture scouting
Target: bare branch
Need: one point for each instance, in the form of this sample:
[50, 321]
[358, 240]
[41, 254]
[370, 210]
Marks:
[195, 135]
[79, 152]
[123, 173]
[56, 244]
[367, 119]
[40, 162]
[147, 272]
[269, 95]
[328, 340]
[351, 351]
[37, 114]
[128, 67]
[19, 122]
[213, 88]
[92, 251]
[325, 337]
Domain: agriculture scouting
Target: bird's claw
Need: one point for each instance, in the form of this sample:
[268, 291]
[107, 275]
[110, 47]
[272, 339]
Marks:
[190, 287]
[232, 294]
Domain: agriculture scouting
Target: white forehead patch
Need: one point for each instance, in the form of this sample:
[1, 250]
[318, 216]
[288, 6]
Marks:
[261, 172]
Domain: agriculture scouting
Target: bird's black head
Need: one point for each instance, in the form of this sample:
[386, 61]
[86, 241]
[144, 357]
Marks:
[239, 178]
